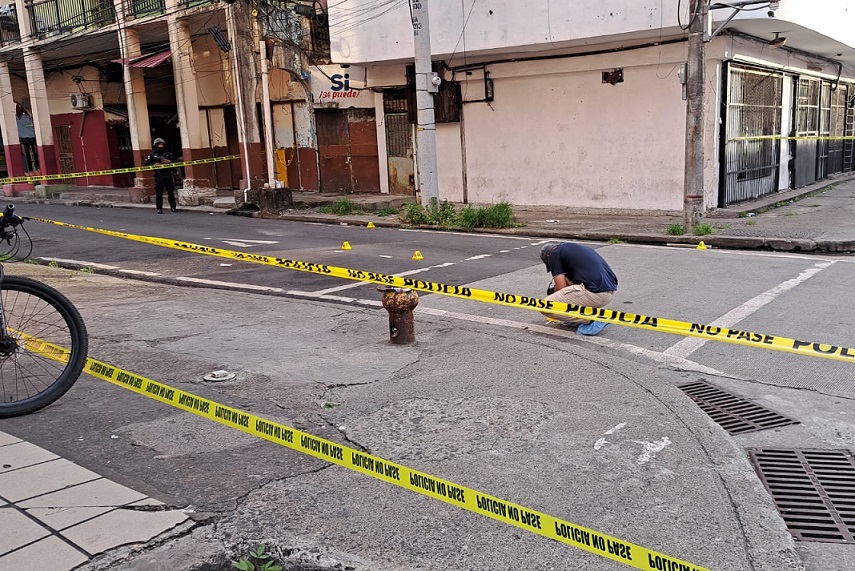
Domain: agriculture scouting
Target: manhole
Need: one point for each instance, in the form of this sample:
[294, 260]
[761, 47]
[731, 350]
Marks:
[813, 489]
[736, 415]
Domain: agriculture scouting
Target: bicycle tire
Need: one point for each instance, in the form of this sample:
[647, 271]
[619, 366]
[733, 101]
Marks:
[30, 381]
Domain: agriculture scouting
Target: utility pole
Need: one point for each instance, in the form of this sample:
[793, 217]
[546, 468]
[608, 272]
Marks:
[427, 83]
[693, 189]
[239, 25]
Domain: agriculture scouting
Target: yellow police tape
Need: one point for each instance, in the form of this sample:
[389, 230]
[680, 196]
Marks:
[683, 328]
[115, 171]
[376, 467]
[791, 138]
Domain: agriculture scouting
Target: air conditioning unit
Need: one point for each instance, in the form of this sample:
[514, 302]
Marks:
[81, 101]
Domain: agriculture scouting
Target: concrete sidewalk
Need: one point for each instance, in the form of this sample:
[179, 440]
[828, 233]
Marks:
[817, 218]
[57, 515]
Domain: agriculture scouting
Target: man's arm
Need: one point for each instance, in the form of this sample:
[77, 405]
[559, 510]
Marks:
[560, 282]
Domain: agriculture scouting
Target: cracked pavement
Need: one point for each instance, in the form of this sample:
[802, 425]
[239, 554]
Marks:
[506, 411]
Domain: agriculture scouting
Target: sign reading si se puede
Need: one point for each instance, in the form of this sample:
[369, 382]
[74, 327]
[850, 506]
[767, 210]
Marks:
[343, 86]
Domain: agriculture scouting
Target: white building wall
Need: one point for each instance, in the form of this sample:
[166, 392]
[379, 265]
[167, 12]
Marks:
[449, 162]
[556, 135]
[379, 32]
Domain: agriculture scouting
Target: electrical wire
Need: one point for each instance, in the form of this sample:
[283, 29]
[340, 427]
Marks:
[463, 31]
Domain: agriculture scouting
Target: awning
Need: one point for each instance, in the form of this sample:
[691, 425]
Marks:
[145, 60]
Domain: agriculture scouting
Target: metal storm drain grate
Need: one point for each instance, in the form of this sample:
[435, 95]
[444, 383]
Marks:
[734, 414]
[813, 489]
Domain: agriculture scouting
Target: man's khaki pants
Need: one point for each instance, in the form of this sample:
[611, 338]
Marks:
[577, 294]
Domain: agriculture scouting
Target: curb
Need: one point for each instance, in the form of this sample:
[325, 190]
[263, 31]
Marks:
[714, 241]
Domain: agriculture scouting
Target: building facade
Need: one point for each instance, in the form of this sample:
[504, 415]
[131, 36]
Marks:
[581, 105]
[86, 85]
[541, 102]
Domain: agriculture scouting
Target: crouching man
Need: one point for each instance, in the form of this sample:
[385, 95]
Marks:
[582, 277]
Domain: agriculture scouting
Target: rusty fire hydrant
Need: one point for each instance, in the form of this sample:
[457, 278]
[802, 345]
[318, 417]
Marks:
[400, 302]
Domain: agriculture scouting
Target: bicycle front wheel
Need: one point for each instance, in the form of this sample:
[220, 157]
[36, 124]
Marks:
[44, 348]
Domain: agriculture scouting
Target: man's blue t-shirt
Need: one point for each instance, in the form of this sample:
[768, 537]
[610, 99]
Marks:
[582, 265]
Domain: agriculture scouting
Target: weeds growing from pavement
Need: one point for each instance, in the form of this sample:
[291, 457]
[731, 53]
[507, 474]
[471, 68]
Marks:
[751, 222]
[499, 215]
[703, 230]
[263, 561]
[341, 207]
[615, 241]
[444, 215]
[791, 214]
[675, 230]
[387, 211]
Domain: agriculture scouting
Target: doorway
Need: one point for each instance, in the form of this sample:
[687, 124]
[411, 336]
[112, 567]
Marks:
[399, 143]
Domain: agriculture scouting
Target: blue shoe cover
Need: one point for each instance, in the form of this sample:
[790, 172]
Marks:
[591, 328]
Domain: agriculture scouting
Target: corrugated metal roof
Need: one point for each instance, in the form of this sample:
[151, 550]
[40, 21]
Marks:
[145, 60]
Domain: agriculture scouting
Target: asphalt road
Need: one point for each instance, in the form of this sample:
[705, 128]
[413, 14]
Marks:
[476, 370]
[448, 257]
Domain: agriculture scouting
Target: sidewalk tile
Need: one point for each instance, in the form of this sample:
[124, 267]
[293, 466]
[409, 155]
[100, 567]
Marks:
[98, 493]
[120, 527]
[23, 454]
[42, 478]
[18, 530]
[49, 553]
[61, 518]
[8, 439]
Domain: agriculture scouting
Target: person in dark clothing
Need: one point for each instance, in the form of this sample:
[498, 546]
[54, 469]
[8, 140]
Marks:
[581, 276]
[162, 177]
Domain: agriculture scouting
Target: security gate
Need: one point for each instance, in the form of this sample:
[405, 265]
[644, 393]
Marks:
[807, 131]
[836, 146]
[849, 133]
[752, 154]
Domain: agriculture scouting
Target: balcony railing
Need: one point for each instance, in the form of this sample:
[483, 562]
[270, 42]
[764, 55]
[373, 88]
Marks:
[143, 8]
[9, 31]
[51, 17]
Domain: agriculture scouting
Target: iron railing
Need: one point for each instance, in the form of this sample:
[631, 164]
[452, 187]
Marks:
[9, 30]
[751, 155]
[50, 17]
[142, 8]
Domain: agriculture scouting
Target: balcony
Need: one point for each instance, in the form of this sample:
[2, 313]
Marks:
[52, 17]
[9, 31]
[144, 8]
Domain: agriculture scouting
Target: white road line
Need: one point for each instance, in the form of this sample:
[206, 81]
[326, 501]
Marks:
[238, 243]
[689, 345]
[339, 288]
[479, 257]
[359, 284]
[95, 265]
[252, 241]
[230, 284]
